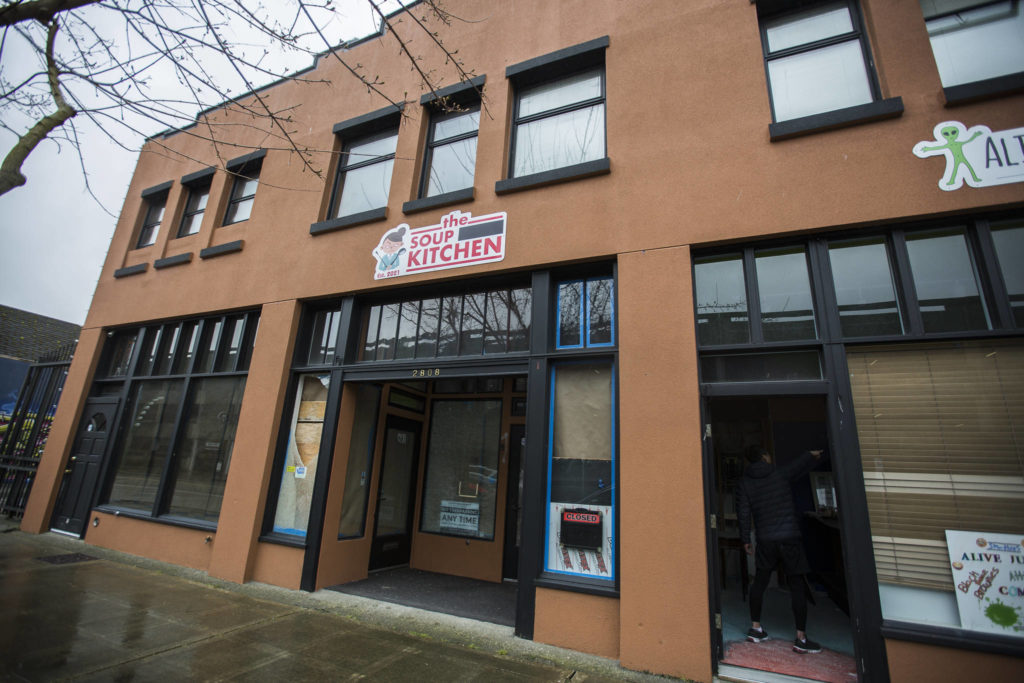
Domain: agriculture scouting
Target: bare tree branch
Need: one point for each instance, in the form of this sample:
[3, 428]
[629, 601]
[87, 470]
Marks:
[42, 11]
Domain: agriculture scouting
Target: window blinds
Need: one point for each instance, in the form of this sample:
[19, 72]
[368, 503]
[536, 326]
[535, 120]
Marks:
[941, 431]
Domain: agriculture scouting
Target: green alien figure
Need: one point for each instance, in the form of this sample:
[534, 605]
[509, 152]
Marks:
[956, 148]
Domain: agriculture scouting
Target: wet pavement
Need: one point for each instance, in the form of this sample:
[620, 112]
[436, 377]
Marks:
[71, 611]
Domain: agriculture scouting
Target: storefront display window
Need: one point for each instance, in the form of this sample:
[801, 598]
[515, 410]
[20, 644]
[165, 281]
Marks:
[581, 471]
[941, 449]
[460, 491]
[946, 282]
[865, 293]
[204, 449]
[360, 460]
[722, 316]
[296, 492]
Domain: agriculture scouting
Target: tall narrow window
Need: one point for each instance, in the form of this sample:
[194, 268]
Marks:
[450, 159]
[722, 316]
[784, 284]
[246, 172]
[1008, 237]
[581, 471]
[586, 313]
[864, 288]
[363, 180]
[195, 208]
[307, 424]
[360, 460]
[155, 205]
[817, 60]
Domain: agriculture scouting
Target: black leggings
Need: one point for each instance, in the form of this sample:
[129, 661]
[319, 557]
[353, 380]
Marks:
[796, 596]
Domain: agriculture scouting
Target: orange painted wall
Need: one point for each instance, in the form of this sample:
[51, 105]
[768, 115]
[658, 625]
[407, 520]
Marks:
[912, 662]
[662, 558]
[593, 626]
[277, 565]
[192, 548]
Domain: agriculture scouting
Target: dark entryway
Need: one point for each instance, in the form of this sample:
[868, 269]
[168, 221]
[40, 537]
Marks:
[513, 516]
[81, 475]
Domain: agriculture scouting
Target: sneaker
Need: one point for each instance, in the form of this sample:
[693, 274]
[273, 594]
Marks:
[806, 646]
[755, 636]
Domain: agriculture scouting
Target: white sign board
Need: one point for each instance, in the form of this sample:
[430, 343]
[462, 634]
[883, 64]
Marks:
[988, 580]
[459, 516]
[976, 155]
[459, 240]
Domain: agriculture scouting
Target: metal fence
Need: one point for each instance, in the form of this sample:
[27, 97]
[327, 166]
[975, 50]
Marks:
[23, 434]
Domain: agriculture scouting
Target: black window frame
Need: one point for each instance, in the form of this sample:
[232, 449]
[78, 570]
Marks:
[877, 109]
[138, 373]
[549, 69]
[432, 143]
[154, 200]
[242, 169]
[196, 184]
[376, 125]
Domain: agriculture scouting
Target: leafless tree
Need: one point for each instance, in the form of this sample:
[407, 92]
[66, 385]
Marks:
[108, 63]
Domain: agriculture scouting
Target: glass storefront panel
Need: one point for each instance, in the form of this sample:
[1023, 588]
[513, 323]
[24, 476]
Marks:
[946, 282]
[722, 316]
[306, 431]
[460, 488]
[1008, 237]
[152, 407]
[203, 451]
[864, 288]
[783, 281]
[360, 460]
[786, 366]
[942, 449]
[580, 521]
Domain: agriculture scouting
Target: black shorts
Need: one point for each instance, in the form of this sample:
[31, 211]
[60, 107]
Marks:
[768, 554]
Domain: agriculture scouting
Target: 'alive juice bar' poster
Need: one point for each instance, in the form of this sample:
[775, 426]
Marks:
[988, 579]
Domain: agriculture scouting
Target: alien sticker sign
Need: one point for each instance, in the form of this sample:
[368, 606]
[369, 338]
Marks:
[976, 155]
[458, 240]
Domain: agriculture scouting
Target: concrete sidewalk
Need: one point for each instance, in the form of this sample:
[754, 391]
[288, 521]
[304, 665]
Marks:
[71, 611]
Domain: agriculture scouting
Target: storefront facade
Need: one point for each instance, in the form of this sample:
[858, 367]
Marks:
[480, 347]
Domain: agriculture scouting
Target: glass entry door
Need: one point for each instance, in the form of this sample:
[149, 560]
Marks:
[392, 535]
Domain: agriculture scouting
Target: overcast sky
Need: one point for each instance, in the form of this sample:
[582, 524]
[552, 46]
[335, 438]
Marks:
[53, 236]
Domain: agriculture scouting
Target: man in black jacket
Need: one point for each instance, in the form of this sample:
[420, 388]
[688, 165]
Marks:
[764, 493]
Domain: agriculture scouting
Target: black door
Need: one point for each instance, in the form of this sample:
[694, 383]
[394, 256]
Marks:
[82, 472]
[513, 508]
[396, 495]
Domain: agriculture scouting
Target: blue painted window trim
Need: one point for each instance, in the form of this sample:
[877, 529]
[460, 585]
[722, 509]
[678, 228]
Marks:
[613, 517]
[584, 315]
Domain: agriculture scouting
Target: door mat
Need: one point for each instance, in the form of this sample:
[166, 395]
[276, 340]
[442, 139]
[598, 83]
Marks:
[67, 558]
[777, 656]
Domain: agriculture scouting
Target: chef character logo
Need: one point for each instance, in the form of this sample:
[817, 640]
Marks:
[981, 542]
[391, 248]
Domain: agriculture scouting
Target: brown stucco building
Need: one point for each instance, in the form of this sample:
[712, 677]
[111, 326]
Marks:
[526, 326]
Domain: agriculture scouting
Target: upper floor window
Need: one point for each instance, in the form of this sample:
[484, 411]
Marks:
[817, 60]
[560, 123]
[450, 159]
[246, 172]
[364, 173]
[198, 186]
[155, 200]
[975, 41]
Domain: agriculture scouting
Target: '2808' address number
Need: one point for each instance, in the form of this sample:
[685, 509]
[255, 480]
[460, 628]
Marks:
[427, 372]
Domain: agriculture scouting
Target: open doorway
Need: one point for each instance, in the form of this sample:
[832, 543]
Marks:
[787, 427]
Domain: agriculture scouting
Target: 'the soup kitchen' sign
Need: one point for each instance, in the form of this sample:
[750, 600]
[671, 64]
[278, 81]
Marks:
[458, 240]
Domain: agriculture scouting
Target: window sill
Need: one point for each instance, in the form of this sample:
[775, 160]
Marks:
[221, 249]
[437, 201]
[172, 261]
[840, 118]
[169, 520]
[131, 270]
[946, 636]
[284, 539]
[553, 177]
[348, 221]
[577, 585]
[989, 88]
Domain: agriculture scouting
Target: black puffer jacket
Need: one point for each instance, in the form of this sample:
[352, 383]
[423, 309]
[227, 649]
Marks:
[764, 493]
